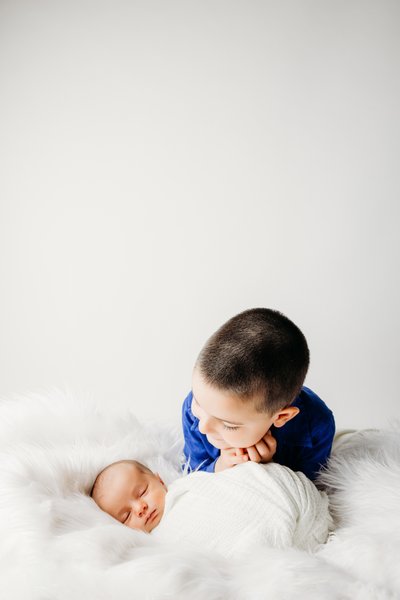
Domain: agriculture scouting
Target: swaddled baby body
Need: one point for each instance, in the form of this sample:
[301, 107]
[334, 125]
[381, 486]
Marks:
[231, 511]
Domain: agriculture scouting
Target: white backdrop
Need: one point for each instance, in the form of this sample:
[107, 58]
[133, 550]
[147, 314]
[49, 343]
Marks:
[168, 164]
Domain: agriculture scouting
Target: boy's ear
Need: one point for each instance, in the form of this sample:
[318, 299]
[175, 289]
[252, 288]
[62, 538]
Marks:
[284, 415]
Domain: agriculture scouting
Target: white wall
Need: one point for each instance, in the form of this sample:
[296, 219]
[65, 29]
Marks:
[169, 164]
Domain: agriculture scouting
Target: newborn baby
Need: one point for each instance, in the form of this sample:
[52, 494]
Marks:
[131, 493]
[230, 511]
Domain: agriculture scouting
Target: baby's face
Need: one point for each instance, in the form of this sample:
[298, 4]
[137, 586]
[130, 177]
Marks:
[133, 497]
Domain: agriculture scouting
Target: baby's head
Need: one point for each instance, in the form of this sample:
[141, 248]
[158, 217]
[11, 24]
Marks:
[131, 493]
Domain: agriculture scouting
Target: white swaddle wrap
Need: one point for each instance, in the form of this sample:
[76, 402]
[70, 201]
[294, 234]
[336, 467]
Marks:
[248, 505]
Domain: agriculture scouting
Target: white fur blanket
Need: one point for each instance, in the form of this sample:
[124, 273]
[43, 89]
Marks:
[55, 543]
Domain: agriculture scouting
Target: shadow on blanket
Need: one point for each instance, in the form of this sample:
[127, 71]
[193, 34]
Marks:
[56, 544]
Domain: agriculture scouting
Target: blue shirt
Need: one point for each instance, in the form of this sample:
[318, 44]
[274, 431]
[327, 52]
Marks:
[303, 444]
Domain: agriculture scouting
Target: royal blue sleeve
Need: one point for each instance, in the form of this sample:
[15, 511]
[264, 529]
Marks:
[311, 460]
[199, 453]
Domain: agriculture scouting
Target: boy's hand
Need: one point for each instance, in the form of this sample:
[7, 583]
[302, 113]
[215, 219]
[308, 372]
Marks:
[264, 450]
[230, 458]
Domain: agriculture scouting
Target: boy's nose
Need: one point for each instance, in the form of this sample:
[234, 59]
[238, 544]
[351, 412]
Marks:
[205, 425]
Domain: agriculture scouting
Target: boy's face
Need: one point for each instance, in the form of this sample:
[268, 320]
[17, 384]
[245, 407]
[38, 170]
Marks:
[133, 497]
[225, 419]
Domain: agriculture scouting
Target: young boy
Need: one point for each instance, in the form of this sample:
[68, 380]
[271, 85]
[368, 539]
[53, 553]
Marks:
[247, 401]
[211, 512]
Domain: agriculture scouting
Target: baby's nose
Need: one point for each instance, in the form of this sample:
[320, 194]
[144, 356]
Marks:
[141, 508]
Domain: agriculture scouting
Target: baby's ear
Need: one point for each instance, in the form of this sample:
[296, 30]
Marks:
[160, 480]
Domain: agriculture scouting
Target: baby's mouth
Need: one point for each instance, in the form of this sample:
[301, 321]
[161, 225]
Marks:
[151, 516]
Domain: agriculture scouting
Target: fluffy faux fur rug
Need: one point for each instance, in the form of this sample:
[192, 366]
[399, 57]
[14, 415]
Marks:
[55, 543]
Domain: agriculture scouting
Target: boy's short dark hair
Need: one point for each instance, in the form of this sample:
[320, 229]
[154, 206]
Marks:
[259, 352]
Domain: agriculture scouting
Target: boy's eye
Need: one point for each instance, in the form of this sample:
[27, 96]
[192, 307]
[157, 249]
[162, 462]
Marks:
[144, 491]
[127, 517]
[230, 428]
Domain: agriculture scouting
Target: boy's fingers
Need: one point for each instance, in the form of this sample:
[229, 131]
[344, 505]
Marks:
[262, 448]
[266, 452]
[240, 451]
[269, 439]
[242, 458]
[253, 454]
